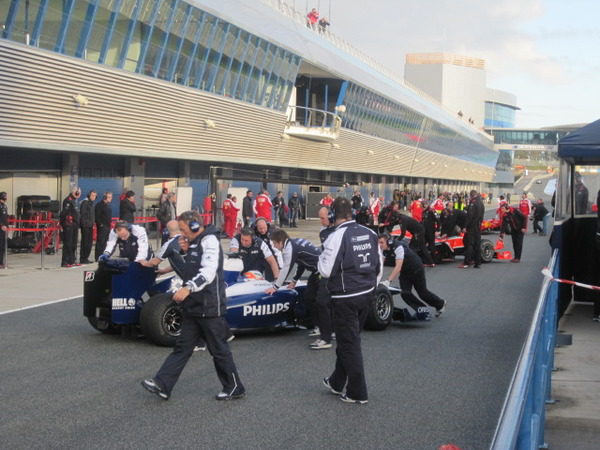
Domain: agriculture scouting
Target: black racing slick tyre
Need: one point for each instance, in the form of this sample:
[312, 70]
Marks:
[487, 251]
[160, 320]
[103, 326]
[381, 310]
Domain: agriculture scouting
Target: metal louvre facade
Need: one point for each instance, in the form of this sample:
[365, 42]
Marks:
[166, 39]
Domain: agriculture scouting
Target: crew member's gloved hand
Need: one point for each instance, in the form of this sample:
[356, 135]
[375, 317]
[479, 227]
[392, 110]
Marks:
[103, 257]
[386, 283]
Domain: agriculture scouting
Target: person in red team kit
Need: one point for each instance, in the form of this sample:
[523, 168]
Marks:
[263, 206]
[230, 212]
[525, 207]
[416, 210]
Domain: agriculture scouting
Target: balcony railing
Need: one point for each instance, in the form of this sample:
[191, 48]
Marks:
[311, 123]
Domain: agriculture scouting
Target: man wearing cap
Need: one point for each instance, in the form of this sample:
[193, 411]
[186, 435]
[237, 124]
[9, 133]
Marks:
[3, 227]
[131, 240]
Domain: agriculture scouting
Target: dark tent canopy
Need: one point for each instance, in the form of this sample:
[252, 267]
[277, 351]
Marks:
[582, 146]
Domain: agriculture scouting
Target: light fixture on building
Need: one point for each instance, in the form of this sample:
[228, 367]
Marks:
[433, 163]
[285, 136]
[370, 152]
[209, 123]
[446, 165]
[340, 109]
[336, 146]
[396, 156]
[80, 100]
[416, 160]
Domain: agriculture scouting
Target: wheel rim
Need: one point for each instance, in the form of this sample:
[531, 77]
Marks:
[172, 321]
[383, 307]
[488, 252]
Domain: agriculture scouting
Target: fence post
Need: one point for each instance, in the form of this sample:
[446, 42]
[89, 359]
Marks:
[6, 248]
[41, 247]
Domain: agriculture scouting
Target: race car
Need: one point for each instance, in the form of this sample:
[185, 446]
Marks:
[447, 248]
[126, 297]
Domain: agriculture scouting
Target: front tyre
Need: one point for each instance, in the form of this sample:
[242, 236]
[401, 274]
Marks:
[487, 251]
[381, 309]
[160, 320]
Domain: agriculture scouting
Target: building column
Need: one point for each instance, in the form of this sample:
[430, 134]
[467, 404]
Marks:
[134, 180]
[70, 174]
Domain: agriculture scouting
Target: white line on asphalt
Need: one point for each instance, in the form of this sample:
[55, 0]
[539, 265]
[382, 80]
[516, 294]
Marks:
[41, 304]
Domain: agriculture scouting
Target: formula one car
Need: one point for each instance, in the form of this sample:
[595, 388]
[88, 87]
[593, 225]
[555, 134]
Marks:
[123, 297]
[447, 248]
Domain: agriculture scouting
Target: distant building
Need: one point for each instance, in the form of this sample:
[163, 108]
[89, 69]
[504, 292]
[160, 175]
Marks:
[500, 109]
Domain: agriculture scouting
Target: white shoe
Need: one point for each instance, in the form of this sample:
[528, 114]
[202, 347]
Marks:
[440, 311]
[347, 399]
[200, 348]
[231, 338]
[314, 332]
[320, 344]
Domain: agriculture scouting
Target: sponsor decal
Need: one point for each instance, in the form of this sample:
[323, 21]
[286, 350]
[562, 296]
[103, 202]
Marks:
[363, 237]
[89, 276]
[360, 247]
[266, 310]
[123, 303]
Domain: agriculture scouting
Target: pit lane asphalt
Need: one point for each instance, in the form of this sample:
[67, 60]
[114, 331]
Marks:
[63, 385]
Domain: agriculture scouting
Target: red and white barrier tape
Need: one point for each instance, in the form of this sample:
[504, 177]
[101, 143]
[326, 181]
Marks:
[546, 272]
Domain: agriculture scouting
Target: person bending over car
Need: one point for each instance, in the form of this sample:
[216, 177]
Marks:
[131, 240]
[409, 268]
[255, 254]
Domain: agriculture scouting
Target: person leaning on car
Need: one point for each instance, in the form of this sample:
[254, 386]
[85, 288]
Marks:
[203, 305]
[131, 240]
[353, 262]
[255, 254]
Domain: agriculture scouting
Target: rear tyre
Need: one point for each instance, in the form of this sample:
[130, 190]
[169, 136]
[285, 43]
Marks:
[160, 320]
[103, 326]
[381, 310]
[487, 251]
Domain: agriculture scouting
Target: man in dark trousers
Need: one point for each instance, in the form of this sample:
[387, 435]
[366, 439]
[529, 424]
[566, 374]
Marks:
[248, 208]
[409, 268]
[255, 254]
[69, 222]
[127, 207]
[472, 230]
[103, 218]
[417, 241]
[203, 304]
[86, 223]
[513, 223]
[539, 214]
[431, 224]
[353, 263]
[3, 227]
[294, 207]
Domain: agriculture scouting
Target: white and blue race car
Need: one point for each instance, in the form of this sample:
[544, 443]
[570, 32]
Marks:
[125, 297]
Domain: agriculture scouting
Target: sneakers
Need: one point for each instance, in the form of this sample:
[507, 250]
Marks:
[320, 344]
[440, 311]
[596, 318]
[429, 265]
[347, 399]
[463, 266]
[230, 338]
[515, 260]
[225, 396]
[200, 348]
[151, 386]
[315, 332]
[328, 386]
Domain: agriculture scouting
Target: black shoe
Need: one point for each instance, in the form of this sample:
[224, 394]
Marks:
[151, 386]
[85, 261]
[328, 386]
[477, 266]
[234, 396]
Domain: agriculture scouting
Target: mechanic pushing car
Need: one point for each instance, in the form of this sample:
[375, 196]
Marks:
[409, 268]
[203, 304]
[131, 240]
[352, 261]
[255, 254]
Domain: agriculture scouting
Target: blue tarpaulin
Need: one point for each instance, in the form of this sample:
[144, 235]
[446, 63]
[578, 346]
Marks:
[582, 145]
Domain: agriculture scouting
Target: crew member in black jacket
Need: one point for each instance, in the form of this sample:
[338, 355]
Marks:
[127, 207]
[513, 223]
[69, 222]
[417, 241]
[203, 304]
[472, 230]
[86, 223]
[3, 227]
[352, 261]
[103, 217]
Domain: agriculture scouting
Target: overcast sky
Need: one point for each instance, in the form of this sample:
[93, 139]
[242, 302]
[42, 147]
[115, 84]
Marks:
[546, 52]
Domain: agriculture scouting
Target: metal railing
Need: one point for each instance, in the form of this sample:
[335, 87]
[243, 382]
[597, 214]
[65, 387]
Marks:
[521, 424]
[315, 120]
